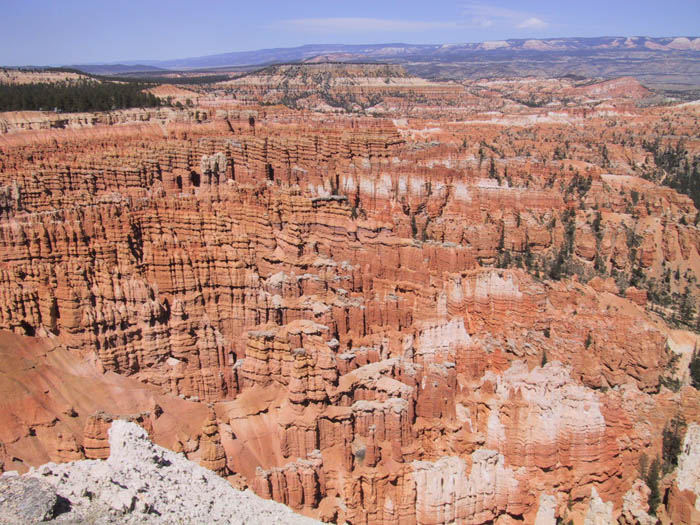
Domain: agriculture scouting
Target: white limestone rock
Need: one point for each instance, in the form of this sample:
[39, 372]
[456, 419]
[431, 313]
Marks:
[599, 513]
[688, 477]
[144, 483]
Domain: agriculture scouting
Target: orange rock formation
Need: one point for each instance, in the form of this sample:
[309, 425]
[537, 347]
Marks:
[422, 319]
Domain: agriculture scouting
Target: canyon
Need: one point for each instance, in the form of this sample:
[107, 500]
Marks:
[371, 297]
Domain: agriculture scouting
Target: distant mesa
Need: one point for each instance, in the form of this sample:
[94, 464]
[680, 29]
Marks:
[624, 87]
[116, 69]
[400, 51]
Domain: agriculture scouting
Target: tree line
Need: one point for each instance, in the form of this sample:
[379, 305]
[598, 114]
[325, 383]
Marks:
[76, 96]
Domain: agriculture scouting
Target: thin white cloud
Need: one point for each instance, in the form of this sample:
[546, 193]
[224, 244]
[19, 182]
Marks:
[490, 11]
[484, 15]
[482, 22]
[533, 23]
[362, 25]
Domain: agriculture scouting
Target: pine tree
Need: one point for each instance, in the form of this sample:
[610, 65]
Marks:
[686, 310]
[695, 369]
[672, 438]
[652, 481]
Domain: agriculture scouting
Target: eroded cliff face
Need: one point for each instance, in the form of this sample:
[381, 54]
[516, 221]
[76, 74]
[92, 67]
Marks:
[372, 307]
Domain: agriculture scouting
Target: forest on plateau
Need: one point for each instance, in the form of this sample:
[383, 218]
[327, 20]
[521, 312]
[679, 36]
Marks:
[75, 96]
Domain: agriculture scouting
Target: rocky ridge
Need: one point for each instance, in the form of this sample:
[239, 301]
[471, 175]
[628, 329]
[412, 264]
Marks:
[139, 483]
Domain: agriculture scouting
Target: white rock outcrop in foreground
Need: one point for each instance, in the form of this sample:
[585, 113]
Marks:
[689, 463]
[144, 483]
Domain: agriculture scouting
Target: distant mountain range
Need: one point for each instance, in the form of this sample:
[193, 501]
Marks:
[401, 52]
[117, 69]
[670, 61]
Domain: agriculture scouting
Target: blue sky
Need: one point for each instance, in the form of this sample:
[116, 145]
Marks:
[43, 32]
